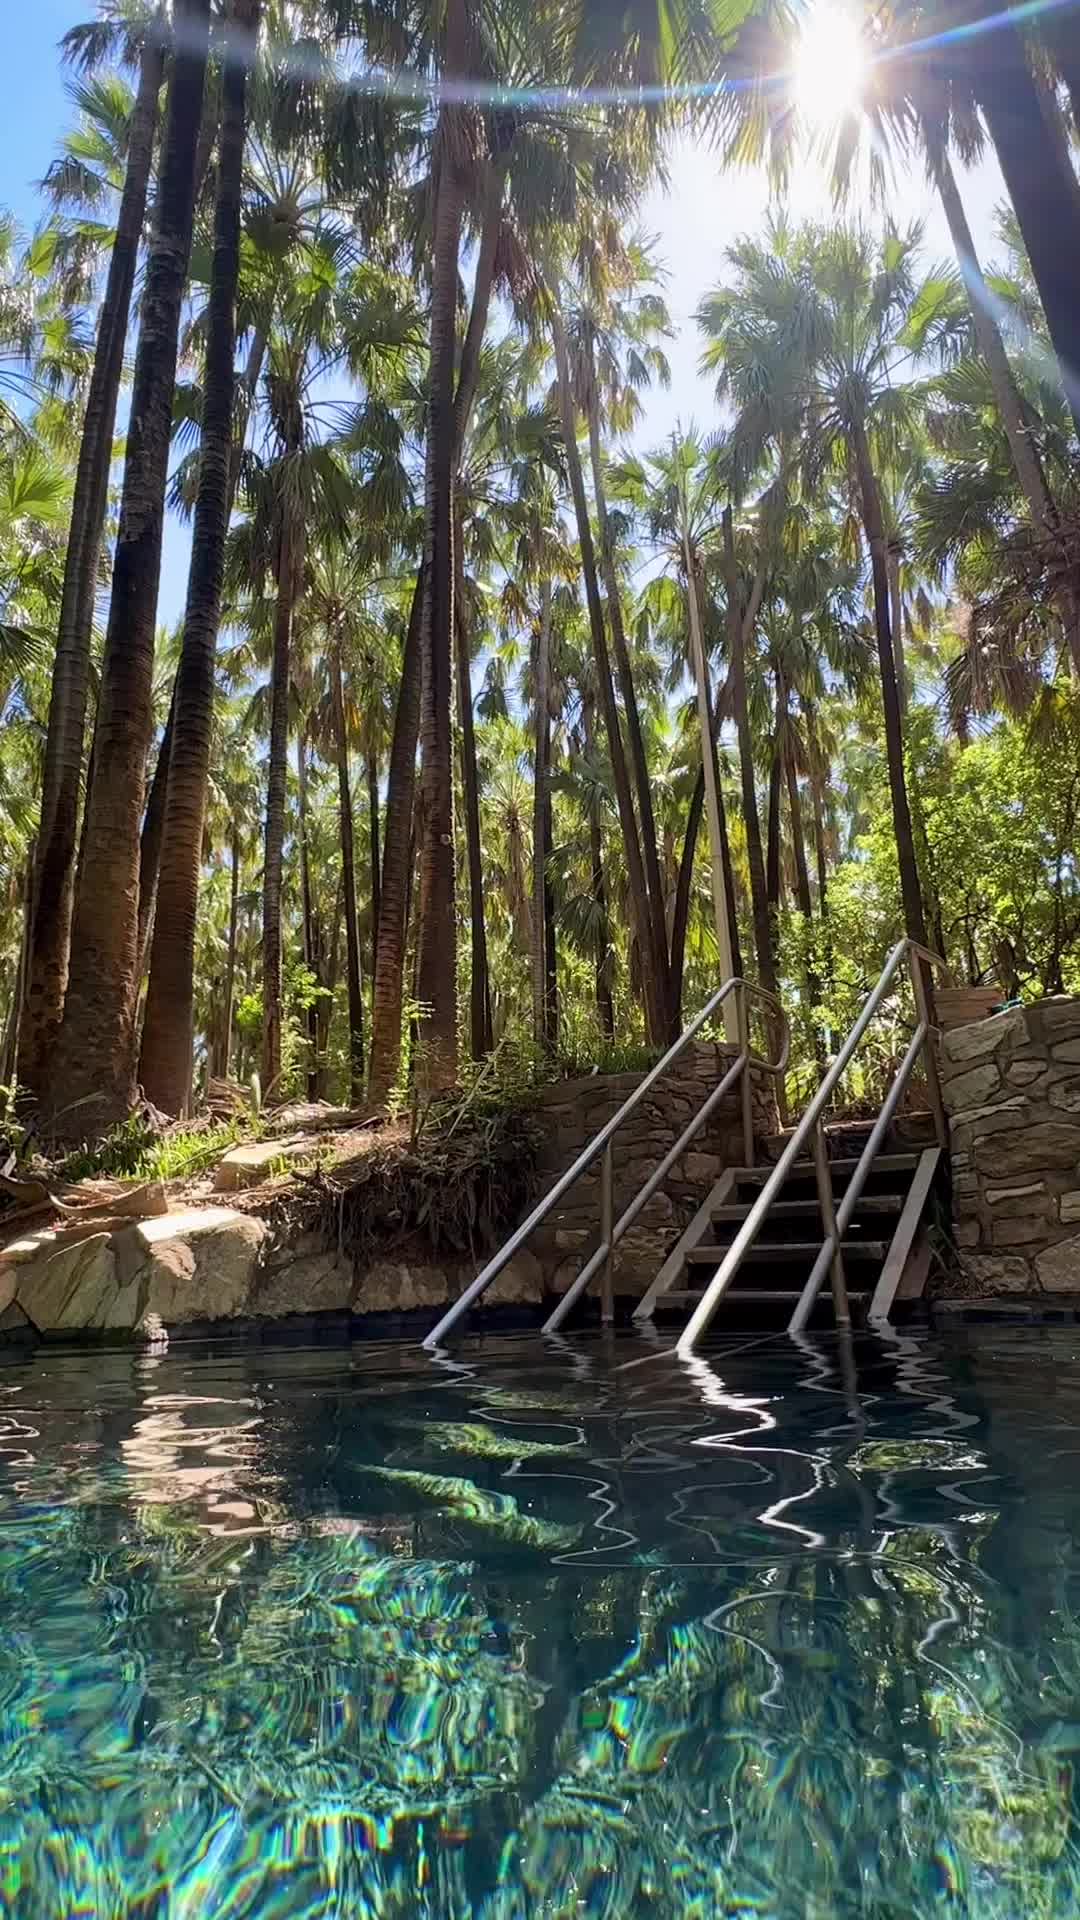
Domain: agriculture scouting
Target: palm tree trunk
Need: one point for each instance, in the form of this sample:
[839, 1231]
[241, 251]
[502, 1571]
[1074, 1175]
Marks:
[541, 737]
[288, 573]
[774, 883]
[307, 916]
[758, 896]
[373, 843]
[153, 828]
[46, 978]
[386, 998]
[638, 759]
[355, 988]
[230, 958]
[95, 1052]
[551, 951]
[656, 1009]
[874, 525]
[605, 1004]
[1043, 197]
[168, 1024]
[9, 1052]
[480, 1040]
[437, 945]
[684, 885]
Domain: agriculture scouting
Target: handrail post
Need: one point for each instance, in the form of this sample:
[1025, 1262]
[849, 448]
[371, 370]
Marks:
[607, 1229]
[742, 1015]
[841, 1310]
[933, 1079]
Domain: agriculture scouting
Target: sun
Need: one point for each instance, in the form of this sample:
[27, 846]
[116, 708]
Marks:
[830, 64]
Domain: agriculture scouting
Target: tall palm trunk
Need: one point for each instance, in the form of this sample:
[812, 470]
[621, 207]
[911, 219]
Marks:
[53, 898]
[656, 1009]
[373, 843]
[758, 896]
[638, 759]
[288, 578]
[95, 1051]
[9, 1051]
[151, 836]
[354, 980]
[480, 1038]
[541, 748]
[307, 914]
[680, 919]
[605, 1003]
[874, 525]
[1043, 196]
[774, 884]
[389, 966]
[437, 938]
[386, 994]
[230, 956]
[168, 1025]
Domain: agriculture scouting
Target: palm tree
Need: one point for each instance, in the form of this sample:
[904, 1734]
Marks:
[810, 328]
[168, 1030]
[54, 877]
[94, 1056]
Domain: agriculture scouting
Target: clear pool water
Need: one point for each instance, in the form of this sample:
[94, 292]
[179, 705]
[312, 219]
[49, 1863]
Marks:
[294, 1633]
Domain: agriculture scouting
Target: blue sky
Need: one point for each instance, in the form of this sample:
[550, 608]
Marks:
[699, 215]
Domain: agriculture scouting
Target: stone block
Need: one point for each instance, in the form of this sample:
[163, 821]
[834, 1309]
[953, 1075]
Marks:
[1058, 1267]
[972, 1088]
[1066, 1094]
[1069, 1206]
[1067, 1051]
[1029, 1149]
[1055, 1019]
[521, 1282]
[1018, 1231]
[700, 1169]
[197, 1265]
[966, 1232]
[1024, 1073]
[76, 1288]
[997, 1272]
[249, 1166]
[964, 1183]
[978, 1041]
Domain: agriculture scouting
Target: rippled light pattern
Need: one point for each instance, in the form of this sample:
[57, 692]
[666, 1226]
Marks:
[540, 1635]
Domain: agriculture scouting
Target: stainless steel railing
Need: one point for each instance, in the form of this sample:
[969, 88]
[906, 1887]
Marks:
[601, 1147]
[810, 1128]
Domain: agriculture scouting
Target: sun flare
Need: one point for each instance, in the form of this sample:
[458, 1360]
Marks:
[830, 65]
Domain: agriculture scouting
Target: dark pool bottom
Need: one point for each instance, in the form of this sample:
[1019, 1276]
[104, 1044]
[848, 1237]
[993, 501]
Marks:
[541, 1631]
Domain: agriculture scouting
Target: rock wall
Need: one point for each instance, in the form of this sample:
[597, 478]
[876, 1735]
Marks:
[1012, 1090]
[213, 1263]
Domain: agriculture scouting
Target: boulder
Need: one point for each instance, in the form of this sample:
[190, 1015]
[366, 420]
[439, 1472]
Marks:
[997, 1272]
[391, 1286]
[249, 1166]
[1058, 1267]
[196, 1265]
[78, 1287]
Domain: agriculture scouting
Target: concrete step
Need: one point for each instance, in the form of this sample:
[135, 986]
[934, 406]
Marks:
[783, 1253]
[887, 1203]
[680, 1300]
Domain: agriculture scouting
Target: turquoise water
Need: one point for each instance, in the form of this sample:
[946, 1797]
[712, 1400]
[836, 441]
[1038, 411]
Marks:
[540, 1633]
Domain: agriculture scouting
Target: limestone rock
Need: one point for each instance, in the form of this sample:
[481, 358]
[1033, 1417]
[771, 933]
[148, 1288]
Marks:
[1057, 1018]
[521, 1282]
[7, 1290]
[1069, 1206]
[964, 1183]
[196, 1265]
[998, 1196]
[966, 1232]
[15, 1328]
[1029, 1149]
[304, 1283]
[391, 1286]
[981, 1039]
[973, 1088]
[1058, 1267]
[700, 1169]
[78, 1287]
[313, 1116]
[997, 1272]
[249, 1166]
[1019, 1231]
[1067, 1051]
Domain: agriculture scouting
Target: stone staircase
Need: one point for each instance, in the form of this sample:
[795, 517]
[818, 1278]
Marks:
[886, 1247]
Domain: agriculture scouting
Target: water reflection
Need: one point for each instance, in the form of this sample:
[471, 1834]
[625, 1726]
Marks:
[543, 1630]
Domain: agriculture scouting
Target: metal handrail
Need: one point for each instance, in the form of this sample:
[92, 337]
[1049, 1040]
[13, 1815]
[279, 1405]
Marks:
[612, 1231]
[834, 1222]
